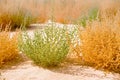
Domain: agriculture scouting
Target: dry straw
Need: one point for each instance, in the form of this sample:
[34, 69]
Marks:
[101, 45]
[8, 46]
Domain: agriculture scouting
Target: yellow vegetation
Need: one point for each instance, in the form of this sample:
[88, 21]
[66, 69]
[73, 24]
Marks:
[8, 46]
[100, 45]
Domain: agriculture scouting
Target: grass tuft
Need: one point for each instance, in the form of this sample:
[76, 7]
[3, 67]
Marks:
[8, 47]
[15, 19]
[100, 46]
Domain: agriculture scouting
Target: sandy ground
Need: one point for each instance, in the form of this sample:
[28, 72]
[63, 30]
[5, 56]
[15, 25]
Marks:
[27, 71]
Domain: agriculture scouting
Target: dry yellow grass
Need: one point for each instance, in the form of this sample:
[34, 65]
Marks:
[8, 46]
[100, 45]
[63, 11]
[109, 9]
[100, 41]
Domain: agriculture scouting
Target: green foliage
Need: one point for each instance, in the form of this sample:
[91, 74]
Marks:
[48, 47]
[92, 15]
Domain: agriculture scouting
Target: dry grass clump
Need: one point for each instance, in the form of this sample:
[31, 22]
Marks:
[109, 9]
[8, 46]
[110, 12]
[39, 8]
[15, 19]
[117, 19]
[68, 11]
[100, 46]
[63, 11]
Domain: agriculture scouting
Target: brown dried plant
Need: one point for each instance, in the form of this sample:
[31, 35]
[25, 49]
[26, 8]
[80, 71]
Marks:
[109, 9]
[100, 45]
[8, 46]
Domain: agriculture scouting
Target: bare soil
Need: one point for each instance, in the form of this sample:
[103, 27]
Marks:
[26, 70]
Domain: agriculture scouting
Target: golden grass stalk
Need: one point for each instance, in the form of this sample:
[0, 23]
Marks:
[8, 46]
[100, 45]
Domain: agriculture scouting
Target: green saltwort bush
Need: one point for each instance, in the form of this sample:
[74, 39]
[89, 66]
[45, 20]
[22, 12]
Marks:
[48, 47]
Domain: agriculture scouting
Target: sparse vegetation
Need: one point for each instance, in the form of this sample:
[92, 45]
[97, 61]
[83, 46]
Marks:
[15, 19]
[89, 34]
[91, 16]
[66, 11]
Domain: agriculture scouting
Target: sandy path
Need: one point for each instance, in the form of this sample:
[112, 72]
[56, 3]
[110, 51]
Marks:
[27, 71]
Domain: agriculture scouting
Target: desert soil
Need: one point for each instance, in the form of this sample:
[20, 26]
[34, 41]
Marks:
[28, 71]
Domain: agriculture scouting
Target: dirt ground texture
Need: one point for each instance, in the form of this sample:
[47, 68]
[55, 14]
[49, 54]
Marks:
[28, 71]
